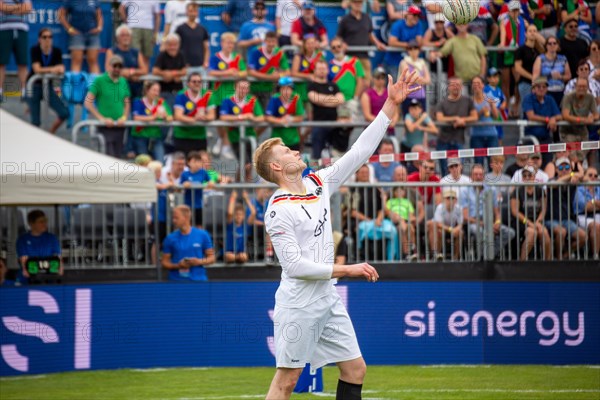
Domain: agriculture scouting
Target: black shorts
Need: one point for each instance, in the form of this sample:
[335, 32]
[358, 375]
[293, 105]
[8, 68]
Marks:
[197, 217]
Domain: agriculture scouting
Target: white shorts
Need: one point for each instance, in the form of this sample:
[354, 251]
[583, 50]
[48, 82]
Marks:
[585, 220]
[319, 334]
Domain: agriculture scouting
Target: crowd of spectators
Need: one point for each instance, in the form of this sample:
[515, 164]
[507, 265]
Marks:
[548, 73]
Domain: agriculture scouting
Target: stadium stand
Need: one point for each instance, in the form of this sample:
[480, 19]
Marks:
[526, 55]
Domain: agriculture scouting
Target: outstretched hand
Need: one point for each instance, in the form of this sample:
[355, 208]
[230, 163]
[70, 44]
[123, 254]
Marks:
[406, 84]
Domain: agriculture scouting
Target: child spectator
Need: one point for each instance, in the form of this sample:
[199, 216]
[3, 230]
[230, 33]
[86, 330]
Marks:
[285, 107]
[193, 180]
[494, 92]
[412, 62]
[418, 124]
[238, 228]
[149, 108]
[447, 220]
[400, 210]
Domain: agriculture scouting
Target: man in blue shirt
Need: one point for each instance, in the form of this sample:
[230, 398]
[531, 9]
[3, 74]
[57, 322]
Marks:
[252, 33]
[187, 250]
[384, 171]
[541, 107]
[38, 242]
[402, 32]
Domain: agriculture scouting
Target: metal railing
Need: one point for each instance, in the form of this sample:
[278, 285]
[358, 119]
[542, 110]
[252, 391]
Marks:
[366, 228]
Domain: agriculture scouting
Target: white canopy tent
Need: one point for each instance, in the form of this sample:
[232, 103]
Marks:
[39, 168]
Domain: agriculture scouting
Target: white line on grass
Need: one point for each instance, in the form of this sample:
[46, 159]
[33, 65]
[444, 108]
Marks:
[19, 378]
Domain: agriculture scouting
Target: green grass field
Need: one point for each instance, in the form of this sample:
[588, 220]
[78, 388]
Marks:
[393, 382]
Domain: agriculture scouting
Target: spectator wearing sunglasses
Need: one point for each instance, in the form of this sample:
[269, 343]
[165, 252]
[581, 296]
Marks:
[572, 45]
[560, 221]
[46, 59]
[587, 209]
[108, 99]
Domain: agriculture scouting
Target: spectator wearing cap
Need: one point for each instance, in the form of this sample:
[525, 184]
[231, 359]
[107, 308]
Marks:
[14, 36]
[356, 29]
[528, 207]
[447, 220]
[396, 9]
[194, 39]
[534, 161]
[493, 91]
[458, 110]
[347, 72]
[372, 99]
[236, 13]
[134, 65]
[303, 67]
[286, 13]
[108, 99]
[525, 57]
[37, 243]
[84, 22]
[583, 71]
[487, 111]
[559, 218]
[241, 106]
[472, 203]
[144, 19]
[325, 97]
[468, 52]
[170, 65]
[579, 109]
[512, 34]
[541, 107]
[412, 62]
[455, 178]
[252, 33]
[193, 105]
[267, 63]
[285, 107]
[46, 59]
[308, 23]
[401, 33]
[554, 68]
[418, 126]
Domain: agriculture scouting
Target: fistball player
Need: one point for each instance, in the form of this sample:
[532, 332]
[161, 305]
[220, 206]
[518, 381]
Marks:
[311, 324]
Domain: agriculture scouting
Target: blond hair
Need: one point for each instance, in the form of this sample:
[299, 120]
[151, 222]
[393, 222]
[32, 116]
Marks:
[229, 35]
[154, 166]
[185, 210]
[499, 158]
[262, 159]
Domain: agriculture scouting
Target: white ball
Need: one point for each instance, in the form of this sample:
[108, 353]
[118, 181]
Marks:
[460, 12]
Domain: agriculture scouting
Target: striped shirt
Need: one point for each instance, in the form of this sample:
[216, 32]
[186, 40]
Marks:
[14, 21]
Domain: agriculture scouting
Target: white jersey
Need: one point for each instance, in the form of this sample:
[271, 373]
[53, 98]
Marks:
[300, 224]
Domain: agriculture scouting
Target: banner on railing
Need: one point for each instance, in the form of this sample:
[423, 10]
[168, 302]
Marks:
[64, 328]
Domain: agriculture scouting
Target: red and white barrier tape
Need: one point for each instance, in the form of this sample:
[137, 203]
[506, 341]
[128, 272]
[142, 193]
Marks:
[482, 152]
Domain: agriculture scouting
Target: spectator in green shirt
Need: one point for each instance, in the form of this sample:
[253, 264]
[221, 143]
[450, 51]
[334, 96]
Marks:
[108, 99]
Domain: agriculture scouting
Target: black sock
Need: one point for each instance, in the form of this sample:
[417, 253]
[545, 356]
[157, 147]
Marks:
[348, 391]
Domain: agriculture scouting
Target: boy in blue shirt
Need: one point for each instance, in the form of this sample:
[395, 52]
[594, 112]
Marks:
[192, 180]
[493, 91]
[238, 229]
[187, 250]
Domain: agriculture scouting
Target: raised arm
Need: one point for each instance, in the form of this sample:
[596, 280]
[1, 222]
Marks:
[368, 141]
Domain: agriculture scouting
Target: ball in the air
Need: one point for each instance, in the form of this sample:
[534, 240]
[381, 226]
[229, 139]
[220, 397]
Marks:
[460, 12]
